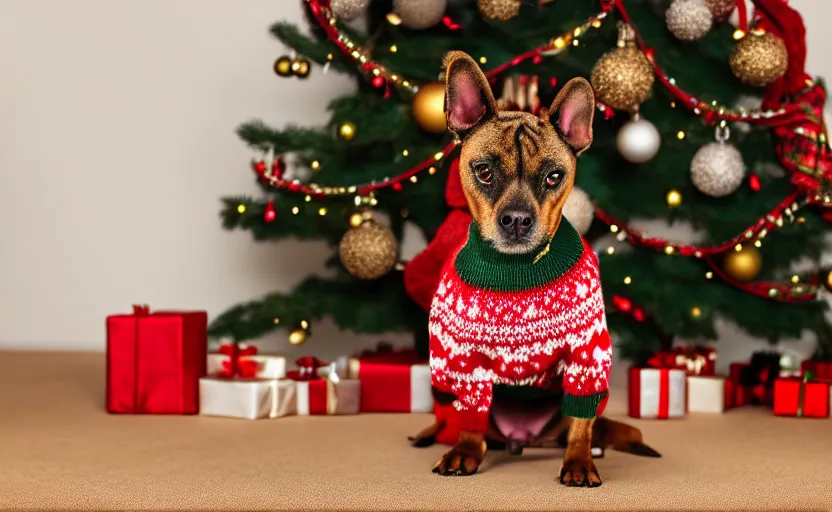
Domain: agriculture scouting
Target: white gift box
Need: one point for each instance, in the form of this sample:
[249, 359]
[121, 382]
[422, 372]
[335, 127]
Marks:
[247, 398]
[656, 393]
[268, 366]
[708, 394]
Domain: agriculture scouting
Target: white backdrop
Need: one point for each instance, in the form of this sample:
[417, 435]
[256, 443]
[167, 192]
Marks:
[116, 143]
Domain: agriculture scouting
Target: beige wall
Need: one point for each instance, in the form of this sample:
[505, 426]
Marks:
[116, 142]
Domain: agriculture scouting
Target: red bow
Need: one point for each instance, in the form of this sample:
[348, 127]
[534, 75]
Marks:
[307, 369]
[237, 365]
[141, 309]
[698, 360]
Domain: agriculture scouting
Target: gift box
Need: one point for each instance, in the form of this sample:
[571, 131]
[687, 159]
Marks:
[237, 359]
[754, 381]
[695, 360]
[656, 393]
[155, 361]
[250, 399]
[325, 395]
[392, 381]
[801, 397]
[820, 370]
[710, 394]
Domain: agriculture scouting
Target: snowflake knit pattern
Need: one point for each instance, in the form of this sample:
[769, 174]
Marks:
[503, 319]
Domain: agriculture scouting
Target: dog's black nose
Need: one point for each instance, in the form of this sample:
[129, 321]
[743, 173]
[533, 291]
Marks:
[516, 223]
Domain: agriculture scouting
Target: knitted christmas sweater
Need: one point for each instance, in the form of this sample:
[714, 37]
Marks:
[504, 318]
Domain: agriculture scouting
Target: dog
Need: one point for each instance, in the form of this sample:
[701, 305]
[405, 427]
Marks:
[520, 303]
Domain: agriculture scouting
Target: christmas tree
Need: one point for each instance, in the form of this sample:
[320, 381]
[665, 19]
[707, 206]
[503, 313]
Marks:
[702, 122]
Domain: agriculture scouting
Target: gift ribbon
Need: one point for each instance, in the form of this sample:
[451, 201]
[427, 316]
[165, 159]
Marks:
[236, 365]
[139, 311]
[801, 393]
[319, 393]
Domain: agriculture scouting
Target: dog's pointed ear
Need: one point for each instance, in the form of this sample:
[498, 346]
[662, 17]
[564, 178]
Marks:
[468, 97]
[572, 113]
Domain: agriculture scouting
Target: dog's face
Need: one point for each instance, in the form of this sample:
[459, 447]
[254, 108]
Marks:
[517, 169]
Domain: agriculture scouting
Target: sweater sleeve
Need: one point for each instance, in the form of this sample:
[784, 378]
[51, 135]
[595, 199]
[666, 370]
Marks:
[587, 369]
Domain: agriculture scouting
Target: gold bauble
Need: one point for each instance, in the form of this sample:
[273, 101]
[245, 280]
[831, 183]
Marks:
[623, 78]
[759, 59]
[368, 251]
[300, 67]
[829, 280]
[743, 265]
[297, 336]
[500, 10]
[346, 131]
[674, 198]
[283, 66]
[429, 107]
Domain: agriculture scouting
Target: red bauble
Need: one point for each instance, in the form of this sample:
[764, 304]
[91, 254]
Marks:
[638, 315]
[270, 214]
[754, 183]
[397, 186]
[259, 167]
[378, 81]
[622, 303]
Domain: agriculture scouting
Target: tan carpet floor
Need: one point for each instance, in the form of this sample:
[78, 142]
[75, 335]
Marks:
[60, 450]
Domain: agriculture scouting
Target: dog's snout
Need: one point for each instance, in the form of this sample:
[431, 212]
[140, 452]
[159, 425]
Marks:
[516, 222]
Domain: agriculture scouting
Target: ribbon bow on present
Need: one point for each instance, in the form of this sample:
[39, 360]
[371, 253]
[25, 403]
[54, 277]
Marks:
[698, 360]
[141, 309]
[237, 365]
[307, 369]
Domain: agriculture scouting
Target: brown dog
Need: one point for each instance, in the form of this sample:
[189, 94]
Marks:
[516, 171]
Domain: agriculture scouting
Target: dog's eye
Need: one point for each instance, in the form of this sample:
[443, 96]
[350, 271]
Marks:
[553, 179]
[483, 173]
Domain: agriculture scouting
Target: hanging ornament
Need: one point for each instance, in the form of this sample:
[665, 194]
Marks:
[638, 141]
[499, 10]
[579, 210]
[348, 10]
[754, 183]
[744, 264]
[419, 14]
[721, 8]
[623, 78]
[759, 59]
[717, 168]
[278, 168]
[689, 20]
[674, 198]
[346, 131]
[828, 280]
[283, 66]
[368, 251]
[270, 214]
[297, 336]
[429, 107]
[300, 67]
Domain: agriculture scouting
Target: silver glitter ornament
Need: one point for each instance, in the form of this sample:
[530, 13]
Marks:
[579, 210]
[420, 14]
[689, 20]
[348, 10]
[717, 168]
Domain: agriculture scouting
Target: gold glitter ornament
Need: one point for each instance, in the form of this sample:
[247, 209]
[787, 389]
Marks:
[689, 20]
[419, 14]
[368, 251]
[743, 265]
[623, 78]
[283, 66]
[759, 59]
[829, 280]
[721, 8]
[429, 107]
[348, 10]
[297, 336]
[499, 10]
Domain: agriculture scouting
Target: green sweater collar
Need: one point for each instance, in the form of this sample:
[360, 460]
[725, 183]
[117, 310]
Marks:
[480, 265]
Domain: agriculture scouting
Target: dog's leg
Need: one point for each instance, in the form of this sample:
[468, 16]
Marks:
[578, 469]
[464, 458]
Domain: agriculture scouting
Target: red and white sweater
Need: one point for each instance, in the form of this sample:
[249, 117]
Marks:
[499, 318]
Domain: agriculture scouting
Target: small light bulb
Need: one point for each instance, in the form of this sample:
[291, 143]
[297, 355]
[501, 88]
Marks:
[315, 165]
[393, 48]
[614, 228]
[483, 60]
[405, 152]
[560, 43]
[307, 198]
[795, 279]
[758, 243]
[356, 219]
[695, 312]
[709, 275]
[739, 34]
[413, 179]
[738, 247]
[276, 320]
[322, 211]
[596, 24]
[295, 210]
[669, 249]
[304, 324]
[610, 250]
[674, 198]
[628, 280]
[680, 135]
[432, 171]
[438, 156]
[241, 209]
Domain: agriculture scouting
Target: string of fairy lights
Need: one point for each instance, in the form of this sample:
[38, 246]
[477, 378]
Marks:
[269, 168]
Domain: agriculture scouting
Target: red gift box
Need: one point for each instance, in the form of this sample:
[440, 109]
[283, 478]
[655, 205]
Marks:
[821, 370]
[155, 361]
[801, 398]
[696, 360]
[392, 381]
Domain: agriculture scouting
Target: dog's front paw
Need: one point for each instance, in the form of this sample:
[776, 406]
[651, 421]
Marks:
[462, 460]
[580, 473]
